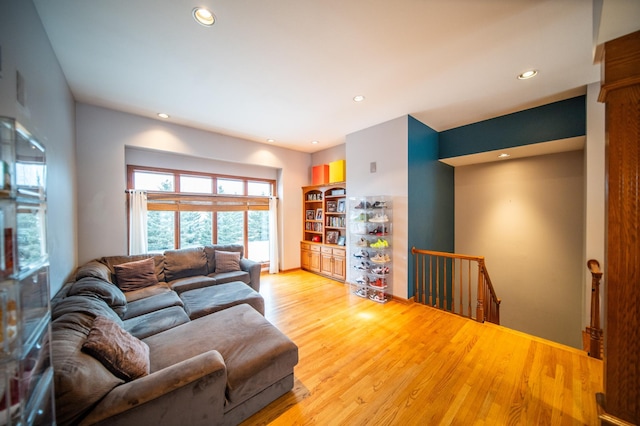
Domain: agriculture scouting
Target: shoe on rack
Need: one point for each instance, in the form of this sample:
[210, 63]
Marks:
[362, 242]
[379, 218]
[362, 266]
[381, 243]
[378, 297]
[362, 280]
[379, 205]
[380, 270]
[362, 217]
[362, 292]
[381, 258]
[361, 254]
[379, 283]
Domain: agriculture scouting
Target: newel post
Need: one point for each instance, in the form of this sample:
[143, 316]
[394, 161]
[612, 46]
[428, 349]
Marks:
[481, 295]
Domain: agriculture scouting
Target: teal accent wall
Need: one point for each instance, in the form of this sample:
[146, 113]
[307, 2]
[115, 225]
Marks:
[430, 195]
[555, 121]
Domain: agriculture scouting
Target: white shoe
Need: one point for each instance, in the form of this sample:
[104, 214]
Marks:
[379, 218]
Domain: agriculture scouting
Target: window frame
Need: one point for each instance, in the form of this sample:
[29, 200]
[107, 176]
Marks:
[178, 201]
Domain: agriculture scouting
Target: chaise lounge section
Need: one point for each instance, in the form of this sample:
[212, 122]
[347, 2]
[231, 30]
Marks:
[140, 340]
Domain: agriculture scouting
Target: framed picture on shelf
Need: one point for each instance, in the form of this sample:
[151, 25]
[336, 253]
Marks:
[341, 206]
[311, 214]
[332, 237]
[332, 206]
[318, 214]
[341, 240]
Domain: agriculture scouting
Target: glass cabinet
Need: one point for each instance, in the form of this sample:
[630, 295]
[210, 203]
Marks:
[26, 374]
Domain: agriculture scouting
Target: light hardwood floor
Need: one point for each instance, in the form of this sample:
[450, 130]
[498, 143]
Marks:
[364, 363]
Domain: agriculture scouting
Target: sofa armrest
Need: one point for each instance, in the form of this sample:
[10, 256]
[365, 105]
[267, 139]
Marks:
[191, 392]
[253, 268]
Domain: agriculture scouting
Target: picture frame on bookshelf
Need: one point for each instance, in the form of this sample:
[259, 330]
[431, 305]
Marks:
[310, 215]
[318, 214]
[332, 237]
[332, 206]
[341, 240]
[341, 206]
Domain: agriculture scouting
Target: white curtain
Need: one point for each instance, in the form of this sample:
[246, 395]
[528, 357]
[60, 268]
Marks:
[137, 222]
[273, 236]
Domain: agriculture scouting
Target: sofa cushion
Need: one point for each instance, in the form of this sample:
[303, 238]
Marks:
[80, 380]
[184, 262]
[110, 293]
[227, 261]
[206, 300]
[190, 283]
[123, 354]
[210, 252]
[93, 269]
[255, 352]
[86, 304]
[158, 261]
[135, 275]
[227, 277]
[143, 293]
[150, 304]
[156, 322]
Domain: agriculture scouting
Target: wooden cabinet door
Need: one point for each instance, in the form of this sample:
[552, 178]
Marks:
[326, 264]
[314, 261]
[305, 259]
[339, 268]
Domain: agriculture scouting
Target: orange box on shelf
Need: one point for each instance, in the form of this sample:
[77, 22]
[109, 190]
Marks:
[337, 171]
[320, 174]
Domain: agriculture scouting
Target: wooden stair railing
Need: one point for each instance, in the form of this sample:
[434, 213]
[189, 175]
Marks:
[446, 281]
[594, 331]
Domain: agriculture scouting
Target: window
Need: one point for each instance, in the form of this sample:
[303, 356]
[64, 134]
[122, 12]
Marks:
[187, 209]
[196, 184]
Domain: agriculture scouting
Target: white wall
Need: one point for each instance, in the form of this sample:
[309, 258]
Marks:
[595, 197]
[103, 135]
[49, 115]
[326, 156]
[526, 217]
[387, 145]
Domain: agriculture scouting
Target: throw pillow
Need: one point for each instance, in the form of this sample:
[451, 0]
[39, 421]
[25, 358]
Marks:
[136, 275]
[227, 261]
[80, 380]
[121, 353]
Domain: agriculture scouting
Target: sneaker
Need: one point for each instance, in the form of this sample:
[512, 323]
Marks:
[362, 280]
[381, 243]
[362, 242]
[362, 266]
[378, 297]
[380, 270]
[379, 283]
[379, 205]
[379, 218]
[362, 292]
[381, 258]
[362, 217]
[361, 254]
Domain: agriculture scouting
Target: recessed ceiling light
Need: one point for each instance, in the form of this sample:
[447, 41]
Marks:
[528, 74]
[504, 155]
[163, 115]
[271, 140]
[314, 142]
[203, 16]
[358, 98]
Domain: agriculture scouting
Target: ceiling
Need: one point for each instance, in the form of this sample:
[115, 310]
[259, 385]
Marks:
[289, 69]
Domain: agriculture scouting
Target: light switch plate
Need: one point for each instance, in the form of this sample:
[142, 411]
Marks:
[373, 167]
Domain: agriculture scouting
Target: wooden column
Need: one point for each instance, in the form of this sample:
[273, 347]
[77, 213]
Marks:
[621, 94]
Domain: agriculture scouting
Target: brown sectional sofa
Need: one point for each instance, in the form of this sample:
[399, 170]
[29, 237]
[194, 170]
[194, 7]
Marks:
[217, 366]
